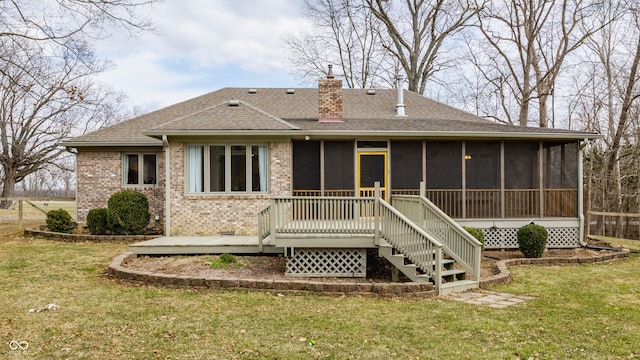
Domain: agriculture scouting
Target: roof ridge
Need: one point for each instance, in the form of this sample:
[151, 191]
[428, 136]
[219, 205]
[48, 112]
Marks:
[282, 121]
[224, 103]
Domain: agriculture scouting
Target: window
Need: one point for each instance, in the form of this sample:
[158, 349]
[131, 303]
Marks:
[218, 168]
[140, 169]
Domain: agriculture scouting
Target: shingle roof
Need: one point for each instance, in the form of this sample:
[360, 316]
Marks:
[275, 110]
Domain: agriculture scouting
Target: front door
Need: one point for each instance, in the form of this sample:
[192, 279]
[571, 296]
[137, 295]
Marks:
[372, 167]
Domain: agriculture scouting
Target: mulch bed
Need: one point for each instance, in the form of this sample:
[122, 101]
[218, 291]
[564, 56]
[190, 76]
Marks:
[273, 267]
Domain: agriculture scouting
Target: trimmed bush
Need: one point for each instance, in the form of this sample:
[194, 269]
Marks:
[532, 240]
[476, 233]
[128, 213]
[97, 221]
[60, 221]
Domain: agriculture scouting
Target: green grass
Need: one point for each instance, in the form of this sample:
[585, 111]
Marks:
[579, 312]
[223, 261]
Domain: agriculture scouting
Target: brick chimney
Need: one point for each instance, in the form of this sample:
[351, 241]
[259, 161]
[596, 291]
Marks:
[330, 98]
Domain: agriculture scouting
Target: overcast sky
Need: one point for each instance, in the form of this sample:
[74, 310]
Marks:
[203, 45]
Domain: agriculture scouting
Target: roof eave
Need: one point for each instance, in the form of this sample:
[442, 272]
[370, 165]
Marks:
[365, 133]
[77, 144]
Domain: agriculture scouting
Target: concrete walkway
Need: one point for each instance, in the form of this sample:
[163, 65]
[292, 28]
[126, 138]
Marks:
[488, 298]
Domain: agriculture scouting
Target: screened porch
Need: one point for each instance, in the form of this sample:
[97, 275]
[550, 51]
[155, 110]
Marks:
[501, 179]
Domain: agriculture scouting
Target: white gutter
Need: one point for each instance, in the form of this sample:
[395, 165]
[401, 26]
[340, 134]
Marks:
[383, 133]
[167, 186]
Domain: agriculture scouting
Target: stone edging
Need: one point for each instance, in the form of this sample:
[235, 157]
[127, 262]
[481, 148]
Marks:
[87, 237]
[504, 275]
[410, 289]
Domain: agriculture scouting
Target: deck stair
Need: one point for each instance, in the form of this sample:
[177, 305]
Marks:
[412, 234]
[454, 279]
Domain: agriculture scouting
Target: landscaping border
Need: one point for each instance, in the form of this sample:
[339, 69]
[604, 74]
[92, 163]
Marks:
[88, 237]
[504, 275]
[118, 270]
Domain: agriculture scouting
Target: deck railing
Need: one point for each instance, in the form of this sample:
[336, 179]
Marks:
[306, 214]
[354, 215]
[506, 204]
[264, 220]
[458, 244]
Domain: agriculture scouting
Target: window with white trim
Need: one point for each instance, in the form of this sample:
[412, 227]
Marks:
[140, 169]
[226, 168]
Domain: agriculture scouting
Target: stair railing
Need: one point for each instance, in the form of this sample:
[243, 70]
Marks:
[458, 243]
[417, 245]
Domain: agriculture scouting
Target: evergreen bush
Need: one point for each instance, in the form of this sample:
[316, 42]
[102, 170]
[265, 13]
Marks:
[60, 221]
[128, 213]
[97, 221]
[476, 233]
[532, 240]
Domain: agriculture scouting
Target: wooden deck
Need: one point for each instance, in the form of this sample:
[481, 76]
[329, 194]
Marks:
[200, 245]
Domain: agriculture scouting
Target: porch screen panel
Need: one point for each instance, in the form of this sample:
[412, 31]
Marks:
[239, 168]
[521, 179]
[217, 168]
[560, 164]
[338, 168]
[444, 176]
[482, 161]
[306, 168]
[406, 166]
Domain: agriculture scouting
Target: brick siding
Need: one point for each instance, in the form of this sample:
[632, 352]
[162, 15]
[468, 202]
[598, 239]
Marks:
[213, 214]
[100, 175]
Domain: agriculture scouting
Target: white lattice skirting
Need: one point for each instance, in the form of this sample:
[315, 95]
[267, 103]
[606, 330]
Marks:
[505, 238]
[327, 263]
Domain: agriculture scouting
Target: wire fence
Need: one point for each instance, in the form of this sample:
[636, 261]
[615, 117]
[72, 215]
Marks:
[22, 209]
[613, 225]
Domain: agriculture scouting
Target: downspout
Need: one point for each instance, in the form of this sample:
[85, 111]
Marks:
[581, 192]
[167, 186]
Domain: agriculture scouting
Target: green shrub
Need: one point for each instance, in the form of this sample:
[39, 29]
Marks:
[97, 221]
[532, 240]
[128, 213]
[476, 233]
[60, 221]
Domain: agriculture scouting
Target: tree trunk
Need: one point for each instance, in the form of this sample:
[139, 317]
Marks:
[8, 185]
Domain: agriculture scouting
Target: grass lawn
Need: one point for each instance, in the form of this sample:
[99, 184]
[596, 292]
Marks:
[579, 312]
[36, 208]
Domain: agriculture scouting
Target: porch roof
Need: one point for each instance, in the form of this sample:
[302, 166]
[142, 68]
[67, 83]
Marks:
[294, 112]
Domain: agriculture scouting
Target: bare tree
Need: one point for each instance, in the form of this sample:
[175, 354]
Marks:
[345, 34]
[371, 41]
[528, 42]
[416, 31]
[43, 100]
[606, 101]
[59, 21]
